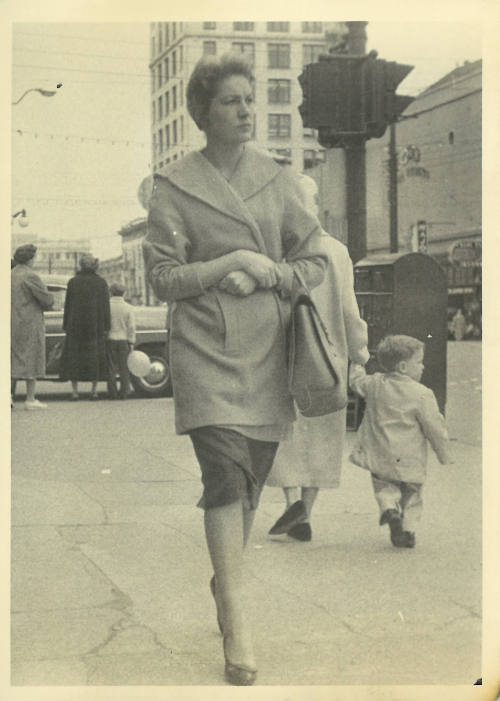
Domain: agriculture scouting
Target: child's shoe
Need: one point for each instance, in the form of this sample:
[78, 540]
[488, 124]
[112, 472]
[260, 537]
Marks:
[405, 539]
[393, 518]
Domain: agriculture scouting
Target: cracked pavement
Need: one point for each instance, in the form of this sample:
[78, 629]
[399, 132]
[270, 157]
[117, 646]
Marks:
[109, 576]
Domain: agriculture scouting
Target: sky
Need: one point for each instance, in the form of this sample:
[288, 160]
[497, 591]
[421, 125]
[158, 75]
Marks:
[78, 158]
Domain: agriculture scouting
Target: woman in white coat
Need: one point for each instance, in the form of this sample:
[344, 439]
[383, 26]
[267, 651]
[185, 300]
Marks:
[313, 458]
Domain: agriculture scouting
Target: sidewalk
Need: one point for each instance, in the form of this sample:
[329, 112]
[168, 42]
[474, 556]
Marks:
[110, 571]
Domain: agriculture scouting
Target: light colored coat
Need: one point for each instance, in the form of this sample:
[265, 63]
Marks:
[401, 417]
[228, 353]
[29, 297]
[313, 458]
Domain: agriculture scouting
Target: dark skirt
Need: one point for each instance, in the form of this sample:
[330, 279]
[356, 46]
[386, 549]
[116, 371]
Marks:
[84, 359]
[233, 467]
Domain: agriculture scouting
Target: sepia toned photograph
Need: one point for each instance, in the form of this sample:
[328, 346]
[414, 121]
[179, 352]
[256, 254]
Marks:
[246, 351]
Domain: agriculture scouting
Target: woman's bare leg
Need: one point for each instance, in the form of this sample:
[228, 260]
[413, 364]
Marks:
[308, 495]
[30, 390]
[225, 536]
[291, 495]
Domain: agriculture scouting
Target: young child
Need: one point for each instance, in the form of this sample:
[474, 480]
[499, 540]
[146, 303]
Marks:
[401, 417]
[120, 341]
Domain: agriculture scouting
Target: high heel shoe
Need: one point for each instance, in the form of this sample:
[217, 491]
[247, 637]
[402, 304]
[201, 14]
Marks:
[238, 674]
[219, 619]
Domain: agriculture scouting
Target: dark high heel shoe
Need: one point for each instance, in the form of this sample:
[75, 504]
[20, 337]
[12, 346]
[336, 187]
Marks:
[219, 620]
[238, 674]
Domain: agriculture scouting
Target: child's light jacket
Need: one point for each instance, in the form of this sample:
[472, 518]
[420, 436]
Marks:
[401, 417]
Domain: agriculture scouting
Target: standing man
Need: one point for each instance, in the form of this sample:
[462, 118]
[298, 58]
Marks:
[29, 298]
[121, 339]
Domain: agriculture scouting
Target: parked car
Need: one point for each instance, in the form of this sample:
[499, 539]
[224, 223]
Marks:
[151, 338]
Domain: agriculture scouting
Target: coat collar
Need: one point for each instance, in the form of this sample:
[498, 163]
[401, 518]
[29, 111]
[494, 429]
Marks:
[196, 176]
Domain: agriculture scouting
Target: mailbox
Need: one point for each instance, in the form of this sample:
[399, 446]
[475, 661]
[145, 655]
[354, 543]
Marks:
[405, 293]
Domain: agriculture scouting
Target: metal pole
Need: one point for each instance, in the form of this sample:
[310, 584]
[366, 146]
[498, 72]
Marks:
[355, 163]
[393, 190]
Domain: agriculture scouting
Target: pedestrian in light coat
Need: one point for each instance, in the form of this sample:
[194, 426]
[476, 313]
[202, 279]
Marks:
[401, 418]
[120, 342]
[312, 460]
[29, 298]
[225, 231]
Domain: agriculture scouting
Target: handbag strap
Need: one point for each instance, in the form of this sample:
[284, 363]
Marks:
[303, 283]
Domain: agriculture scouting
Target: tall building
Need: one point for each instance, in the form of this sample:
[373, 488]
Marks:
[277, 50]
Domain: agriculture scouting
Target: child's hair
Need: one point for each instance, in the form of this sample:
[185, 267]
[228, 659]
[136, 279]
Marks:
[393, 349]
[116, 289]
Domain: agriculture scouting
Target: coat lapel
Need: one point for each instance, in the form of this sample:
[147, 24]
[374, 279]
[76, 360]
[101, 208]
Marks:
[196, 176]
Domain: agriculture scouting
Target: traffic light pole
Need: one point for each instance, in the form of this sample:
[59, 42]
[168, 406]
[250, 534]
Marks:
[355, 164]
[355, 167]
[393, 190]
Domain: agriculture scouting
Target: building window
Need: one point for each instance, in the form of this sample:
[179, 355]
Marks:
[209, 48]
[160, 108]
[155, 146]
[174, 63]
[154, 112]
[311, 53]
[451, 138]
[153, 46]
[209, 25]
[167, 136]
[181, 56]
[313, 158]
[278, 125]
[160, 141]
[278, 26]
[174, 98]
[174, 31]
[278, 91]
[181, 94]
[182, 130]
[174, 132]
[278, 55]
[245, 48]
[283, 152]
[243, 26]
[167, 104]
[167, 72]
[160, 37]
[159, 75]
[312, 27]
[167, 34]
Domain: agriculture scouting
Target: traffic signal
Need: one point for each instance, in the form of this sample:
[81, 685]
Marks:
[348, 97]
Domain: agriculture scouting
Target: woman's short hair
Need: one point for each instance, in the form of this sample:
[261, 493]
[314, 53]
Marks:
[24, 254]
[205, 79]
[116, 289]
[394, 348]
[89, 262]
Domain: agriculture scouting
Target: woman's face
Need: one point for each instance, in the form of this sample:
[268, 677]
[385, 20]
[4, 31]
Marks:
[231, 112]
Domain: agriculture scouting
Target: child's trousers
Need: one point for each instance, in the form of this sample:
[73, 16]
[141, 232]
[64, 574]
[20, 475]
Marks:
[405, 497]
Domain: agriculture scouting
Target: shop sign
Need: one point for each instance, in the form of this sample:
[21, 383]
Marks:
[466, 253]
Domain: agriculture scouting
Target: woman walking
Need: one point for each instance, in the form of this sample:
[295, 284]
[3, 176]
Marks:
[312, 460]
[29, 298]
[86, 322]
[226, 228]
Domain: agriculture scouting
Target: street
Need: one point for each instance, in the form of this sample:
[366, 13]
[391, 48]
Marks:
[110, 571]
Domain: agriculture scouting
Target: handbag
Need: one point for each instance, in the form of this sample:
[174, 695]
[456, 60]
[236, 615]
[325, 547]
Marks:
[315, 374]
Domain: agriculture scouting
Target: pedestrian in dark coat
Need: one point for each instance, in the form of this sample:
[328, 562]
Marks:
[86, 323]
[29, 298]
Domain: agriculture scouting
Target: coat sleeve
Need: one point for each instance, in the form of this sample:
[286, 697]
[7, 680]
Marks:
[359, 381]
[166, 249]
[39, 291]
[301, 232]
[433, 425]
[355, 327]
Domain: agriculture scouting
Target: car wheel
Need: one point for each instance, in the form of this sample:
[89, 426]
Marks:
[157, 382]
